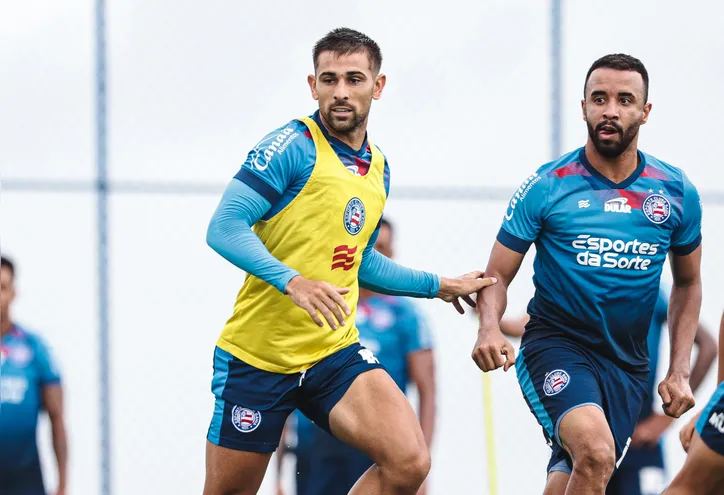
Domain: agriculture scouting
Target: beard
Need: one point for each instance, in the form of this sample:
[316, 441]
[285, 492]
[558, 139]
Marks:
[350, 123]
[611, 147]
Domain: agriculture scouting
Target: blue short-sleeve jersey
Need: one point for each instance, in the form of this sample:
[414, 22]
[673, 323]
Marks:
[600, 249]
[27, 367]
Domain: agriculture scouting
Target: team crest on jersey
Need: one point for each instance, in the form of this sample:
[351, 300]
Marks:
[245, 420]
[354, 216]
[555, 382]
[657, 208]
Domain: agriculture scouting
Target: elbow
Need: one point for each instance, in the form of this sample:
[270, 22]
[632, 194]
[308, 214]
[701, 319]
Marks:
[212, 235]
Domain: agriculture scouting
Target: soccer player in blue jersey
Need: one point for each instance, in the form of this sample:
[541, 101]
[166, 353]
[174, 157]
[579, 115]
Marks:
[642, 471]
[703, 439]
[29, 382]
[314, 191]
[603, 219]
[396, 332]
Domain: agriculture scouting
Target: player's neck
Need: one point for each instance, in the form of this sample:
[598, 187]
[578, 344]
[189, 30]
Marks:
[616, 169]
[5, 325]
[355, 139]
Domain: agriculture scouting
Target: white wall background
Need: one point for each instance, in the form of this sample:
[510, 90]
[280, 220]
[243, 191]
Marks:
[193, 87]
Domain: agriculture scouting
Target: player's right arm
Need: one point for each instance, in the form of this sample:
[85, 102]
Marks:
[521, 226]
[249, 196]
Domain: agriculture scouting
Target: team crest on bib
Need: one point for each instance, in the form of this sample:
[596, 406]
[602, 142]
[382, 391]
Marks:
[555, 382]
[657, 208]
[245, 420]
[354, 216]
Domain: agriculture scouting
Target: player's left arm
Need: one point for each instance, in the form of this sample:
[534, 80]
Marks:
[52, 400]
[421, 367]
[53, 404]
[684, 304]
[705, 356]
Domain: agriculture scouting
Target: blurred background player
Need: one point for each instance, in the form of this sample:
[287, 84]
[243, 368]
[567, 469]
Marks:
[29, 382]
[393, 329]
[703, 439]
[604, 218]
[642, 471]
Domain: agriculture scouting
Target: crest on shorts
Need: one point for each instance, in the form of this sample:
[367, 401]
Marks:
[657, 208]
[555, 382]
[354, 216]
[245, 420]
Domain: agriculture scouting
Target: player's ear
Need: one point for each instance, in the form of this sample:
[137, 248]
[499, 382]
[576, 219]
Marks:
[312, 81]
[583, 108]
[647, 110]
[380, 82]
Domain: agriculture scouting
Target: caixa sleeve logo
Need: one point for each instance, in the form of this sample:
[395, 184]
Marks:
[354, 216]
[265, 149]
[614, 253]
[521, 193]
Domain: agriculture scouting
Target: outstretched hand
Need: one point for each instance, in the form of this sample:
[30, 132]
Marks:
[453, 289]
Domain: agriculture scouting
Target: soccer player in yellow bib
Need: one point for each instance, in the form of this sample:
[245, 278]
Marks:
[300, 218]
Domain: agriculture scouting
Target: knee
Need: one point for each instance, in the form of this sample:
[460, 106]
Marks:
[595, 459]
[410, 469]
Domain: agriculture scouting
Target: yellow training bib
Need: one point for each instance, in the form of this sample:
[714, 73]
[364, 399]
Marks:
[321, 234]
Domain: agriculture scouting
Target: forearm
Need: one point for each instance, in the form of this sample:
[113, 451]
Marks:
[427, 415]
[60, 446]
[380, 274]
[684, 310]
[492, 302]
[236, 242]
[230, 234]
[706, 353]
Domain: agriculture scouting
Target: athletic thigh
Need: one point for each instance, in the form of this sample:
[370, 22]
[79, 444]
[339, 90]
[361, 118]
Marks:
[234, 472]
[251, 408]
[375, 417]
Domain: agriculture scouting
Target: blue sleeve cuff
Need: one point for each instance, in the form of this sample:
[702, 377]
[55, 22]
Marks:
[258, 185]
[435, 288]
[687, 248]
[283, 281]
[512, 242]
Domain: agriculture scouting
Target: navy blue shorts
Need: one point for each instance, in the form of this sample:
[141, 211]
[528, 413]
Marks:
[641, 473]
[328, 466]
[710, 425]
[24, 481]
[252, 405]
[558, 375]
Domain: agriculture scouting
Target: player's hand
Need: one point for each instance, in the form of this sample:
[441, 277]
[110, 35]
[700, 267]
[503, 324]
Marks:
[676, 393]
[687, 432]
[315, 295]
[649, 431]
[451, 289]
[492, 350]
[280, 489]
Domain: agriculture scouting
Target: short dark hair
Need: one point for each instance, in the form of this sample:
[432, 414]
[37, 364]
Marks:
[6, 263]
[344, 41]
[386, 223]
[620, 61]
